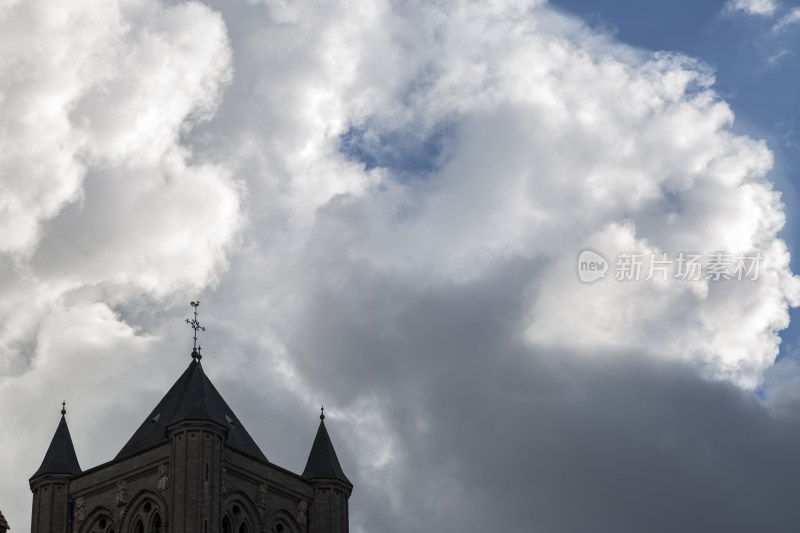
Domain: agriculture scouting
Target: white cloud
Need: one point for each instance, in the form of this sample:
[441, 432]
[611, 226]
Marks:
[754, 7]
[98, 190]
[789, 19]
[558, 140]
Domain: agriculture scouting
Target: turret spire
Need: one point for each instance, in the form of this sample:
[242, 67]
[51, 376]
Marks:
[322, 461]
[60, 457]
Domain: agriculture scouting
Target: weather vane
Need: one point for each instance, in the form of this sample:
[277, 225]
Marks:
[195, 326]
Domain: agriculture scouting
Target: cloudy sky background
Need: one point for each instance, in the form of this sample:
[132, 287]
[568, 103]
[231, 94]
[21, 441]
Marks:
[379, 205]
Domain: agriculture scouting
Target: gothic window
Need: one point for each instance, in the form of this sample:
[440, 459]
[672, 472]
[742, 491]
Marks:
[146, 519]
[237, 519]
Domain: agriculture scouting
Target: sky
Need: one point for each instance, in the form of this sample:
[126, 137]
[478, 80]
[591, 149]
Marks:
[383, 207]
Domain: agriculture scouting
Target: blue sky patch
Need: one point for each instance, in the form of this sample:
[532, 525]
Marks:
[407, 153]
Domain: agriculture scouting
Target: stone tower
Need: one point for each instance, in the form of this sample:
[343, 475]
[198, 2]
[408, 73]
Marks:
[190, 467]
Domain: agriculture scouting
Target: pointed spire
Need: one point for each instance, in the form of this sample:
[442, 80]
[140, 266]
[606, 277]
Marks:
[3, 523]
[322, 461]
[60, 457]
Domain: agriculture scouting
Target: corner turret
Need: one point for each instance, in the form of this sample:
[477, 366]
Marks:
[332, 489]
[50, 483]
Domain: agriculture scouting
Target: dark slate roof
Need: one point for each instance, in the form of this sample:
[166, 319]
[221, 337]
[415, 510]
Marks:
[3, 523]
[192, 397]
[60, 457]
[322, 461]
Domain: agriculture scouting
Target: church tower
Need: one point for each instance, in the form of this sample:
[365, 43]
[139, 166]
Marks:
[190, 467]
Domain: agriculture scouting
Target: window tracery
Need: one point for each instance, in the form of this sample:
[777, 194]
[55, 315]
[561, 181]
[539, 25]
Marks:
[147, 519]
[237, 519]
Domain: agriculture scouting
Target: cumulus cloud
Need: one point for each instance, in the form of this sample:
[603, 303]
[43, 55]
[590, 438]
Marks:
[520, 160]
[382, 205]
[99, 191]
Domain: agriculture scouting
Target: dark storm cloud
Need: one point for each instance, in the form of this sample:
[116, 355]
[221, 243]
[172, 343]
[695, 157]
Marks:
[492, 434]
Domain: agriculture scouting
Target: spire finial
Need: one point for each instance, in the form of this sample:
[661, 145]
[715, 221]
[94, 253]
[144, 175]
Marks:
[322, 413]
[195, 326]
[63, 408]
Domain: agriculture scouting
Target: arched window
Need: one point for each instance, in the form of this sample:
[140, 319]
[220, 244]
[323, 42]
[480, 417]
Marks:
[146, 518]
[239, 517]
[155, 526]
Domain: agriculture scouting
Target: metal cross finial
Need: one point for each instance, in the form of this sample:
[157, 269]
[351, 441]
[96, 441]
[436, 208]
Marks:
[322, 413]
[195, 326]
[63, 408]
